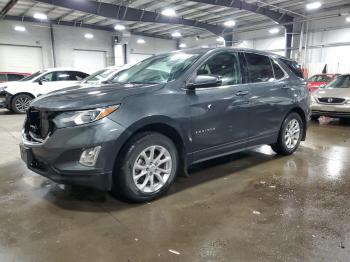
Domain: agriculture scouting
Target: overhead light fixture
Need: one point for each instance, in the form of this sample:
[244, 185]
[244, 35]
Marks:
[119, 27]
[220, 39]
[230, 23]
[20, 28]
[169, 12]
[347, 19]
[40, 16]
[182, 45]
[274, 30]
[176, 34]
[89, 36]
[313, 5]
[140, 41]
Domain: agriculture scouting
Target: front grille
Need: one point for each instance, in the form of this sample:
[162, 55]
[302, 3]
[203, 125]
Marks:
[38, 125]
[331, 100]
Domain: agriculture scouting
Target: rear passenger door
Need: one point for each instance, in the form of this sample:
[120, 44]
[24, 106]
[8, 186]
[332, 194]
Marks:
[270, 98]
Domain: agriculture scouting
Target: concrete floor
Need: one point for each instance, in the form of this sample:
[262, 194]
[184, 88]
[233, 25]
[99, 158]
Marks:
[252, 206]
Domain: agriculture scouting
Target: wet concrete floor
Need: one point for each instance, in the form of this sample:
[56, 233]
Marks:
[251, 206]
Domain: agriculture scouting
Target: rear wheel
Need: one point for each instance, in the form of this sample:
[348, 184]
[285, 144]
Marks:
[148, 168]
[290, 135]
[20, 103]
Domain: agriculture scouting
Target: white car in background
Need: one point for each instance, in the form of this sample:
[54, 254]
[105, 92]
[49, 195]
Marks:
[17, 95]
[105, 74]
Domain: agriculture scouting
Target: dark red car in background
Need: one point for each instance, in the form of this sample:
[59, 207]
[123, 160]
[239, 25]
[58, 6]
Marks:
[320, 80]
[12, 76]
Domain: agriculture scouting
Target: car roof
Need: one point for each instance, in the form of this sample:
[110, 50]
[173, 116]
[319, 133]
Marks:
[209, 49]
[63, 69]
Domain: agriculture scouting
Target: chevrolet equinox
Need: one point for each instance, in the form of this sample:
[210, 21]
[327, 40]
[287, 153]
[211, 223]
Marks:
[134, 134]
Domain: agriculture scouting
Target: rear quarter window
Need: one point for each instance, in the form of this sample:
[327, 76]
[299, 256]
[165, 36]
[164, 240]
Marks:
[294, 67]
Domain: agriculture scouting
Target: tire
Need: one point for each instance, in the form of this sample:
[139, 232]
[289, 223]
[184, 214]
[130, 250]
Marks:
[20, 103]
[132, 179]
[282, 147]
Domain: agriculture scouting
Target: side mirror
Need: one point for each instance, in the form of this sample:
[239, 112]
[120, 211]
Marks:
[40, 81]
[202, 81]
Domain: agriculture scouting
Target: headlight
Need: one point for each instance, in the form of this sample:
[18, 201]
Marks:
[75, 118]
[3, 88]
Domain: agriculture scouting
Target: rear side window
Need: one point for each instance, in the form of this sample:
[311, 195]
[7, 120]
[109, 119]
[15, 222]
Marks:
[294, 67]
[14, 77]
[259, 68]
[279, 74]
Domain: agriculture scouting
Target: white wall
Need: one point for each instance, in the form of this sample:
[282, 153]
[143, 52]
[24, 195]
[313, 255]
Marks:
[151, 47]
[36, 35]
[67, 39]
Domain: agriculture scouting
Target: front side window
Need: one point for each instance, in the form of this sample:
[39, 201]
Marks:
[157, 69]
[259, 68]
[48, 77]
[340, 82]
[225, 66]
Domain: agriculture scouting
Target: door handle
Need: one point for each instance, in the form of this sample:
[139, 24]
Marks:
[242, 93]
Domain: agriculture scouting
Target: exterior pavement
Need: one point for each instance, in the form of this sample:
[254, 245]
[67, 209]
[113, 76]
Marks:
[251, 206]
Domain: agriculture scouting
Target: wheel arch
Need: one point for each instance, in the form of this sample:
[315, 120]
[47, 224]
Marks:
[17, 94]
[164, 126]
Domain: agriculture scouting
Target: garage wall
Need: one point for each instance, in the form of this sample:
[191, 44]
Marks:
[138, 52]
[36, 36]
[69, 39]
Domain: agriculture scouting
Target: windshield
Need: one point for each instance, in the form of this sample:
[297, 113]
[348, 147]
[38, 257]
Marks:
[157, 69]
[99, 75]
[320, 78]
[340, 82]
[32, 76]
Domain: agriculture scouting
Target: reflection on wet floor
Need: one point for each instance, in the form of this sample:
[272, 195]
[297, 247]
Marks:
[250, 206]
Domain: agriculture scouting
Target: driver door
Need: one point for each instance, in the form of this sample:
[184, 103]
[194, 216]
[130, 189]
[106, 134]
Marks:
[219, 119]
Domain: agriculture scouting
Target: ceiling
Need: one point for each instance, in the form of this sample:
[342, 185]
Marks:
[194, 10]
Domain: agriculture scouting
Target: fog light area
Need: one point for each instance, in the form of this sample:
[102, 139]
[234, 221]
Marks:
[89, 156]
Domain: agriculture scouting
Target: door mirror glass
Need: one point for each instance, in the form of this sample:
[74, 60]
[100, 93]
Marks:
[202, 81]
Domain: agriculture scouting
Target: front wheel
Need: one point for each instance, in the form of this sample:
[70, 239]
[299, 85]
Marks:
[289, 136]
[20, 103]
[148, 168]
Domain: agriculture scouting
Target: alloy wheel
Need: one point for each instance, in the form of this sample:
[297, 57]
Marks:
[22, 103]
[152, 169]
[292, 134]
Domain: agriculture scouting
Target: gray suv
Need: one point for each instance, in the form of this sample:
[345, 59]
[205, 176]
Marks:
[134, 134]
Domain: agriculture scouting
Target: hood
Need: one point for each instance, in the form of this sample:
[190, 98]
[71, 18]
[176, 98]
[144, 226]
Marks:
[333, 92]
[86, 97]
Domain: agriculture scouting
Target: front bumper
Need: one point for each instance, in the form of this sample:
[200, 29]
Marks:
[5, 99]
[57, 158]
[330, 110]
